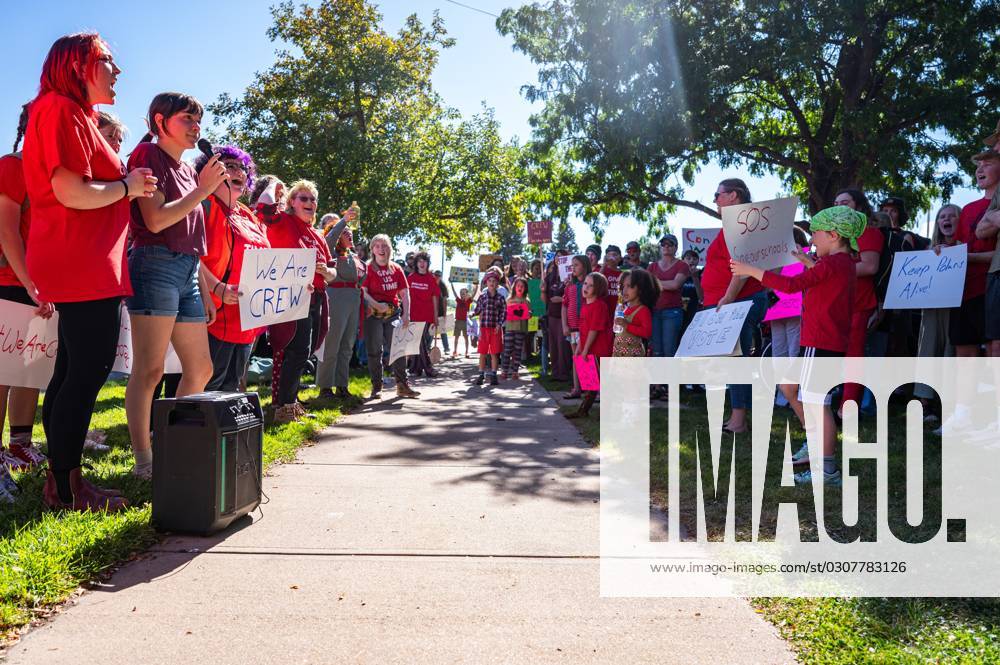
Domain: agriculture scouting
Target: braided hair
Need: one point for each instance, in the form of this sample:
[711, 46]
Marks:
[22, 126]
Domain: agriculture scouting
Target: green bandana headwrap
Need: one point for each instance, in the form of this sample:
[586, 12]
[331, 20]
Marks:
[841, 220]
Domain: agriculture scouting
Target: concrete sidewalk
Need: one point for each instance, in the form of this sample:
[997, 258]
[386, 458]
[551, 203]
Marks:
[460, 527]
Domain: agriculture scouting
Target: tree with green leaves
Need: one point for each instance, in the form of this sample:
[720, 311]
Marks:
[351, 107]
[640, 94]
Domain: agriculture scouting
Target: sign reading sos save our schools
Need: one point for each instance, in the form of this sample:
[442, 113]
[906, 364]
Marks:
[760, 234]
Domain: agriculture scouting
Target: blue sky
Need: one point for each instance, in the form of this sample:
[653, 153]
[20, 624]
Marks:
[209, 48]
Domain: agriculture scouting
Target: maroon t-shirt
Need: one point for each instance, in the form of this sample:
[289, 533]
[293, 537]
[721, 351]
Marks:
[669, 299]
[175, 180]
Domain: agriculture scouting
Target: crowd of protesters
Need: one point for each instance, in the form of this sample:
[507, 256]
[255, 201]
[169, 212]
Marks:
[168, 238]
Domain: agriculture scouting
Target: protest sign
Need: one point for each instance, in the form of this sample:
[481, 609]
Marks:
[715, 332]
[540, 232]
[789, 305]
[535, 296]
[760, 234]
[518, 311]
[564, 264]
[28, 346]
[463, 275]
[699, 240]
[925, 280]
[123, 354]
[586, 371]
[486, 259]
[274, 286]
[406, 340]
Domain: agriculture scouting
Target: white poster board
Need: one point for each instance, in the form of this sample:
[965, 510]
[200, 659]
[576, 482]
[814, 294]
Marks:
[699, 240]
[715, 332]
[406, 340]
[274, 286]
[28, 346]
[123, 354]
[565, 266]
[761, 233]
[925, 280]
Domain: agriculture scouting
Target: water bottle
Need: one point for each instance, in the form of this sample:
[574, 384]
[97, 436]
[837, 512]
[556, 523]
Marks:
[619, 313]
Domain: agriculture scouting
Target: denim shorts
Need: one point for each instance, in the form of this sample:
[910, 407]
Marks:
[165, 283]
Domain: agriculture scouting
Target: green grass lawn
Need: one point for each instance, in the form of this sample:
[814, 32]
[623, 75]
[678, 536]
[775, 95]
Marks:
[840, 630]
[45, 556]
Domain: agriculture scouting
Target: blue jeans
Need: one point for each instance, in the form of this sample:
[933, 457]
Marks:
[667, 331]
[544, 353]
[740, 393]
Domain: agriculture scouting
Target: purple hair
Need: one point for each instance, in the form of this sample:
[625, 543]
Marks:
[230, 152]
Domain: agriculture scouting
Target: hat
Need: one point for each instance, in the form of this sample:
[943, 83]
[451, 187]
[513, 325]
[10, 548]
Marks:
[668, 237]
[987, 153]
[630, 244]
[843, 221]
[613, 248]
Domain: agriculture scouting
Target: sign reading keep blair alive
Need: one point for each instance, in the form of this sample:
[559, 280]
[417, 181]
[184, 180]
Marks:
[714, 332]
[760, 234]
[28, 346]
[274, 286]
[540, 232]
[699, 240]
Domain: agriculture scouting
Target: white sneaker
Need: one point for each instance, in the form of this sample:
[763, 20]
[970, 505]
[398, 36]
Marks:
[801, 454]
[93, 446]
[143, 471]
[832, 479]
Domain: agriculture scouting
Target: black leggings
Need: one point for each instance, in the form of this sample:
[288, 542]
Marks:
[297, 354]
[88, 340]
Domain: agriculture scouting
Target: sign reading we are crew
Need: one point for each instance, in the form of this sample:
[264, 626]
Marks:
[274, 286]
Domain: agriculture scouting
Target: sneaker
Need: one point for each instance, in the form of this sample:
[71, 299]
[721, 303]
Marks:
[96, 445]
[5, 495]
[29, 453]
[143, 471]
[403, 390]
[493, 380]
[376, 391]
[832, 479]
[9, 461]
[7, 483]
[326, 393]
[286, 413]
[98, 435]
[479, 380]
[801, 455]
[955, 425]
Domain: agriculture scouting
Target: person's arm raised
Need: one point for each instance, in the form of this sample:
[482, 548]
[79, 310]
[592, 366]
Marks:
[73, 191]
[158, 214]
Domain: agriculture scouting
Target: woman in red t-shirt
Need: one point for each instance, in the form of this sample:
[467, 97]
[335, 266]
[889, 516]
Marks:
[294, 341]
[424, 297]
[231, 228]
[16, 286]
[169, 300]
[387, 299]
[76, 249]
[596, 338]
[670, 273]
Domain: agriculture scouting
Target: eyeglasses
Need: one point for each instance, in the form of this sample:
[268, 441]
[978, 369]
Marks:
[235, 166]
[667, 243]
[306, 199]
[716, 196]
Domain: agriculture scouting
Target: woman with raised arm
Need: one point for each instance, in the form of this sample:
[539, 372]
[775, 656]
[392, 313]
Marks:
[79, 217]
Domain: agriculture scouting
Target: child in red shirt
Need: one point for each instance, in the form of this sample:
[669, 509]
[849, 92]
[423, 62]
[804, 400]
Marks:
[595, 331]
[635, 327]
[462, 302]
[827, 308]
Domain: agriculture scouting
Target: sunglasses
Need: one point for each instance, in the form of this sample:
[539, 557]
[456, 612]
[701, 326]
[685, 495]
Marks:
[306, 199]
[718, 194]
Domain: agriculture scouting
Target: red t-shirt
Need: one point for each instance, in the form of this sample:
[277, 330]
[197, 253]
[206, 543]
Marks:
[384, 284]
[175, 180]
[827, 300]
[716, 275]
[669, 299]
[975, 273]
[73, 255]
[642, 322]
[423, 288]
[864, 290]
[12, 186]
[229, 236]
[462, 308]
[614, 277]
[594, 317]
[285, 231]
[572, 302]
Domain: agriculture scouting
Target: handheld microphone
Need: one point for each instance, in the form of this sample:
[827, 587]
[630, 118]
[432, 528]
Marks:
[206, 149]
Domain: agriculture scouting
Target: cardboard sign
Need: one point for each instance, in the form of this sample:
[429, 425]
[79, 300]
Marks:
[586, 371]
[760, 234]
[535, 296]
[28, 346]
[540, 232]
[123, 354]
[715, 332]
[518, 311]
[486, 259]
[463, 275]
[406, 340]
[565, 265]
[699, 240]
[789, 305]
[275, 286]
[925, 280]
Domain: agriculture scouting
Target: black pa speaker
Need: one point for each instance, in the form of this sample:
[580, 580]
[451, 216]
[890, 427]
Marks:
[207, 452]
